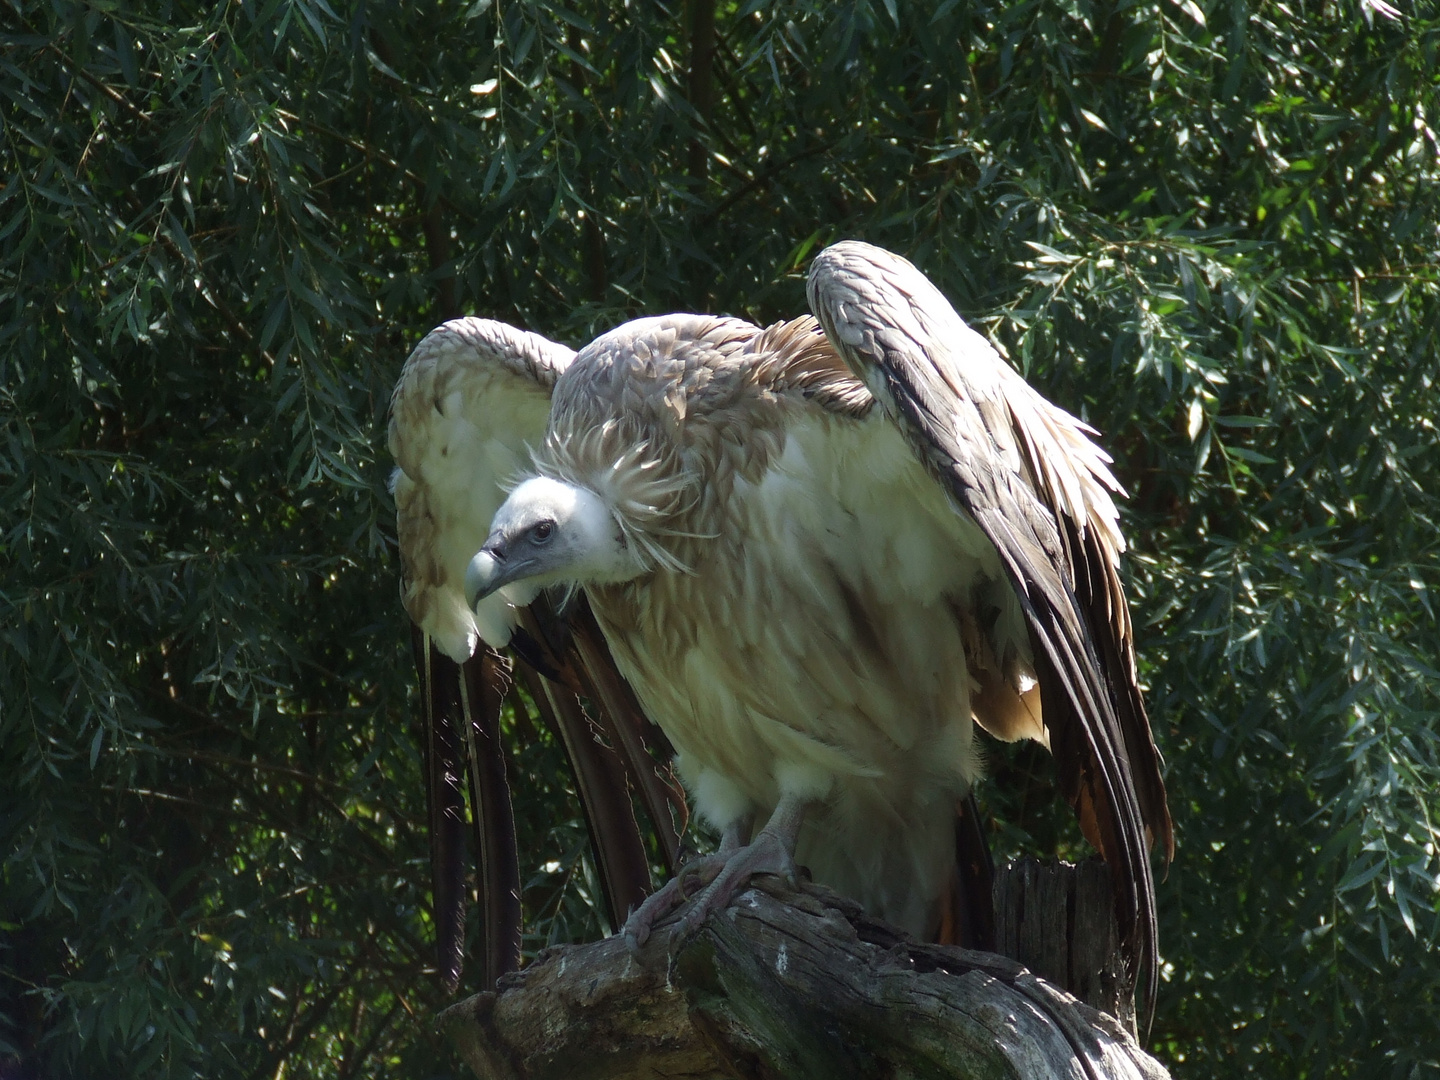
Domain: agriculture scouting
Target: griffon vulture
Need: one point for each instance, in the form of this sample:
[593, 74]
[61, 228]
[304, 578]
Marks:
[816, 552]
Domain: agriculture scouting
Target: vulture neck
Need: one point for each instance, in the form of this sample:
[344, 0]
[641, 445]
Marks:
[645, 485]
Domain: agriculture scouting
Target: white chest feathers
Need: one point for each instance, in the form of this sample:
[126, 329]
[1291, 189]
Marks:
[816, 650]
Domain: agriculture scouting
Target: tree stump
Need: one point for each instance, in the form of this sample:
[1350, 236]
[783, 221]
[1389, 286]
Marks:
[786, 983]
[1058, 919]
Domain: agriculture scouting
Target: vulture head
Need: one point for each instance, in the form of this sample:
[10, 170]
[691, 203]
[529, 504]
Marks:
[549, 533]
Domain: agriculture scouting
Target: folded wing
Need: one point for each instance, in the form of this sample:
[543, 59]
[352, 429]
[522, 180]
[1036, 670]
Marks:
[1027, 473]
[472, 399]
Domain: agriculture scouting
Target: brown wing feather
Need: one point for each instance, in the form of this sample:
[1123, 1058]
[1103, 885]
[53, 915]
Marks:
[1092, 559]
[463, 752]
[600, 784]
[445, 807]
[644, 749]
[601, 772]
[485, 679]
[576, 648]
[1099, 593]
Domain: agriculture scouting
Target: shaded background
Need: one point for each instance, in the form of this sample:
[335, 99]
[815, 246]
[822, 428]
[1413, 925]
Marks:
[1209, 228]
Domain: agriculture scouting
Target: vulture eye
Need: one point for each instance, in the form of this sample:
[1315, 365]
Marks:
[542, 532]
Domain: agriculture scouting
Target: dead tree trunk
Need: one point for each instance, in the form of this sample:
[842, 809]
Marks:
[1058, 919]
[786, 983]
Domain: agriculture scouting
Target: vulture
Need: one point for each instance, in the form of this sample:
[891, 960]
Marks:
[805, 559]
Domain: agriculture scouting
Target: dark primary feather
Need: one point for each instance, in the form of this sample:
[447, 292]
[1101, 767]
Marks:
[1097, 590]
[644, 750]
[445, 811]
[604, 771]
[463, 750]
[941, 384]
[600, 786]
[485, 679]
[612, 749]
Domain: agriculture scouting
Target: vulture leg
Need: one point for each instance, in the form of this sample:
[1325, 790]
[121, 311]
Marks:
[694, 875]
[772, 851]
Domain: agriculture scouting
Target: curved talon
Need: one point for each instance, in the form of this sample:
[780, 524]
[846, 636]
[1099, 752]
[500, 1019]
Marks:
[689, 871]
[766, 854]
[670, 896]
[726, 872]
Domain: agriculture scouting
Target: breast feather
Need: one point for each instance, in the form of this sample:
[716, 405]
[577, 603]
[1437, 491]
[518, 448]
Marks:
[777, 666]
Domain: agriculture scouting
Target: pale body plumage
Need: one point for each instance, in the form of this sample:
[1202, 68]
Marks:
[799, 644]
[825, 552]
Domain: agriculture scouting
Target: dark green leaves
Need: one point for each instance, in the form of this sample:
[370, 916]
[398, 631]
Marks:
[1211, 230]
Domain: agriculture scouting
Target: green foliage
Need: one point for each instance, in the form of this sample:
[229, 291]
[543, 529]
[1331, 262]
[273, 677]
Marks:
[1211, 229]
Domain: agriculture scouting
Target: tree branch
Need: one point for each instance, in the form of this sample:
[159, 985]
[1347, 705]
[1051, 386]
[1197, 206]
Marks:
[701, 20]
[792, 983]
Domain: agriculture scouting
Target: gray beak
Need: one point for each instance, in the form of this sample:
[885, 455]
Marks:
[492, 569]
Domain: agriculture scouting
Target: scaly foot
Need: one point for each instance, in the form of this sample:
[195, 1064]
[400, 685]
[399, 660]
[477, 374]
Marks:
[723, 874]
[692, 878]
[768, 853]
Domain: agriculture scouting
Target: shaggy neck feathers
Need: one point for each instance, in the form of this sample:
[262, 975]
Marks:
[642, 483]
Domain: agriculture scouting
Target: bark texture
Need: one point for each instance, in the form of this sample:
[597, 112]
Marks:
[786, 983]
[1058, 919]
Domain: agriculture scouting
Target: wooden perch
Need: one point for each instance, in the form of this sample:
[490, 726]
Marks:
[786, 983]
[1058, 919]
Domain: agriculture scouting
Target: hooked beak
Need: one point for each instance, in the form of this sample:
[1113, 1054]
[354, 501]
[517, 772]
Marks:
[491, 569]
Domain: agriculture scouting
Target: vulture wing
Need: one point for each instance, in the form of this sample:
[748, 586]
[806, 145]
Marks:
[1027, 473]
[471, 400]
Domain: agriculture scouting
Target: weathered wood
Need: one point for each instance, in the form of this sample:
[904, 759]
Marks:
[1058, 919]
[786, 983]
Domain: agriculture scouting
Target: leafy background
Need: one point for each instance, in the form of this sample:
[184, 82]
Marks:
[1210, 228]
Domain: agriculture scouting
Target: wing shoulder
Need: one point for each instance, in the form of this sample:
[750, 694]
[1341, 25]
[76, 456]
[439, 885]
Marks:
[796, 359]
[472, 398]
